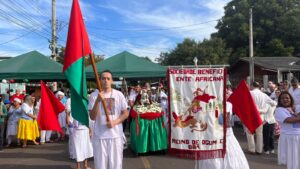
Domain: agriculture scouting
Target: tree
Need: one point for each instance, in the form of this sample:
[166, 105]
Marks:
[147, 58]
[183, 54]
[276, 27]
[209, 51]
[87, 61]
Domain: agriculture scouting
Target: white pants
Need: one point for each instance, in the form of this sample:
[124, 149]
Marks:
[258, 147]
[45, 135]
[108, 153]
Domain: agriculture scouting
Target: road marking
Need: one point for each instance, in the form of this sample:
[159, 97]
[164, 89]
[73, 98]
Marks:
[146, 163]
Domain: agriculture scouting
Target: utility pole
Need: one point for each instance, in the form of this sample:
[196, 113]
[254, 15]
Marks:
[53, 41]
[251, 63]
[53, 23]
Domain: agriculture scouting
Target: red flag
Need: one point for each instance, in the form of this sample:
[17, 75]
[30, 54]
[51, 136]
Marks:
[78, 44]
[244, 107]
[50, 107]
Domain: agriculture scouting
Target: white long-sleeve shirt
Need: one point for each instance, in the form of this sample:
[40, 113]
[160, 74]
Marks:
[296, 95]
[262, 101]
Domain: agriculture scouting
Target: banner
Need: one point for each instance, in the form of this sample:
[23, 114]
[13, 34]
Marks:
[197, 100]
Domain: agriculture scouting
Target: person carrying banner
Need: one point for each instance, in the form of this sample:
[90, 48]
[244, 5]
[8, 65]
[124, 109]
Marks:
[288, 117]
[108, 134]
[261, 100]
[234, 157]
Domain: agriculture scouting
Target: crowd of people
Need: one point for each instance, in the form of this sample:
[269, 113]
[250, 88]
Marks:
[279, 110]
[104, 139]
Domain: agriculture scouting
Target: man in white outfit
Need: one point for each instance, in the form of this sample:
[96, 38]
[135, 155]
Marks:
[261, 100]
[107, 135]
[294, 90]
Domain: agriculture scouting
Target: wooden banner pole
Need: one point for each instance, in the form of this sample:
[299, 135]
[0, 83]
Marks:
[99, 86]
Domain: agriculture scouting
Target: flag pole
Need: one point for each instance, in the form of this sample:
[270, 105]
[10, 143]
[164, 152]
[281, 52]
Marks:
[99, 85]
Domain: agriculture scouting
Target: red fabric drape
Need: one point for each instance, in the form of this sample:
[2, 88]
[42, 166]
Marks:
[147, 116]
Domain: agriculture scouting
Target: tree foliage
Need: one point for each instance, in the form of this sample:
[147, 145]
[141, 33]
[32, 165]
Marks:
[209, 51]
[276, 27]
[276, 32]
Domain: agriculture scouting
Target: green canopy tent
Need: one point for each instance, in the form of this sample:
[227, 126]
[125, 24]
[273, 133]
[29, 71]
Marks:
[128, 65]
[32, 66]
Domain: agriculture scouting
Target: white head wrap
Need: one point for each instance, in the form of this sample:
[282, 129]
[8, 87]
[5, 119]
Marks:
[60, 93]
[17, 100]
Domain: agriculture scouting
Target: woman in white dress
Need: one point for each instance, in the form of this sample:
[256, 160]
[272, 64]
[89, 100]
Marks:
[14, 114]
[288, 117]
[80, 146]
[234, 157]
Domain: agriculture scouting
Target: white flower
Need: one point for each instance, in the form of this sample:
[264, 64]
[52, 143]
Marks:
[141, 109]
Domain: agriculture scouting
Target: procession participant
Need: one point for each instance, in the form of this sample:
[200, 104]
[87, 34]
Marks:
[269, 126]
[14, 114]
[80, 146]
[285, 85]
[234, 157]
[132, 98]
[133, 94]
[147, 86]
[107, 135]
[288, 117]
[70, 128]
[3, 114]
[45, 134]
[294, 90]
[163, 98]
[7, 104]
[280, 85]
[277, 127]
[153, 95]
[61, 117]
[27, 127]
[262, 101]
[18, 95]
[272, 88]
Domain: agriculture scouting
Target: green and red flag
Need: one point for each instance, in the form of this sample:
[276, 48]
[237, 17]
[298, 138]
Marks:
[78, 46]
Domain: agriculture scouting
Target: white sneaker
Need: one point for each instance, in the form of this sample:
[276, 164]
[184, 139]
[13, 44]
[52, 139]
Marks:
[273, 152]
[267, 152]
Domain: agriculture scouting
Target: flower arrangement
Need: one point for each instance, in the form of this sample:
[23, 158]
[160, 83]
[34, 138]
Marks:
[154, 107]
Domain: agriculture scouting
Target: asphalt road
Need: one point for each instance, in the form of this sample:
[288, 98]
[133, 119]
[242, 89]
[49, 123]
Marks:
[55, 156]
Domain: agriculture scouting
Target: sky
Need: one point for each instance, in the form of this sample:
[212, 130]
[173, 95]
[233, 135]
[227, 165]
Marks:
[142, 27]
